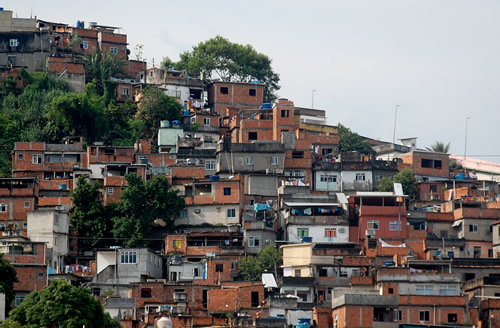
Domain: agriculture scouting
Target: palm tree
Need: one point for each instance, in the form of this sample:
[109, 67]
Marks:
[101, 66]
[439, 147]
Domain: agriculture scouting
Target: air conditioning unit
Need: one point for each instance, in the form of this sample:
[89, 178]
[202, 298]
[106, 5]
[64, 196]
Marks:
[270, 171]
[370, 232]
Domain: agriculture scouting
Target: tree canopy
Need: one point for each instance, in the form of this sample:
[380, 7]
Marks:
[351, 141]
[61, 305]
[220, 58]
[154, 107]
[408, 182]
[439, 147]
[142, 203]
[9, 277]
[252, 267]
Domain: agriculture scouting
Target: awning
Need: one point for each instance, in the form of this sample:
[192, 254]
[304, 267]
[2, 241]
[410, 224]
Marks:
[456, 223]
[293, 204]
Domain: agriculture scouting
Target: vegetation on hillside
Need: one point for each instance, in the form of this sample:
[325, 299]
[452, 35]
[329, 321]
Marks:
[219, 58]
[252, 267]
[408, 182]
[8, 276]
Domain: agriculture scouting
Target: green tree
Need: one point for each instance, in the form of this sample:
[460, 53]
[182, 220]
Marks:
[62, 305]
[408, 182]
[252, 267]
[101, 67]
[80, 114]
[220, 58]
[156, 106]
[140, 205]
[88, 219]
[439, 147]
[9, 277]
[351, 141]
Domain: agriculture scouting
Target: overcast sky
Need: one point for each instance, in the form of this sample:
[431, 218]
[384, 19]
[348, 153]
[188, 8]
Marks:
[438, 60]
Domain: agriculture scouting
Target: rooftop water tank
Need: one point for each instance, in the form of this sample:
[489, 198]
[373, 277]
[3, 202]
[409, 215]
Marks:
[164, 322]
[307, 239]
[176, 123]
[164, 124]
[186, 112]
[266, 106]
[214, 178]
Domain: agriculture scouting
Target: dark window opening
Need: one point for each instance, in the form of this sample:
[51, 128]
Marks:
[391, 291]
[427, 163]
[285, 113]
[438, 164]
[224, 90]
[11, 60]
[219, 267]
[204, 298]
[433, 188]
[146, 293]
[195, 93]
[252, 135]
[255, 299]
[297, 154]
[227, 191]
[452, 317]
[323, 273]
[252, 92]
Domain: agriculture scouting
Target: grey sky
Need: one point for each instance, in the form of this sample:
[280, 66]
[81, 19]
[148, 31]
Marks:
[437, 60]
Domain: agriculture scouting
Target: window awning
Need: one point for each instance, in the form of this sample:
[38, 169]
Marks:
[456, 223]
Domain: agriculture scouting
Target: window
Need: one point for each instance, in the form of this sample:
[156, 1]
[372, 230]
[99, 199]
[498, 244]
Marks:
[425, 290]
[431, 164]
[297, 273]
[177, 243]
[36, 159]
[302, 296]
[146, 293]
[252, 92]
[424, 315]
[128, 257]
[477, 252]
[26, 204]
[3, 208]
[125, 91]
[297, 154]
[219, 267]
[377, 177]
[12, 60]
[303, 232]
[285, 113]
[452, 317]
[231, 212]
[448, 290]
[206, 121]
[21, 157]
[326, 151]
[330, 232]
[224, 90]
[252, 135]
[253, 241]
[249, 160]
[84, 45]
[41, 275]
[274, 160]
[472, 227]
[328, 178]
[13, 43]
[443, 234]
[394, 225]
[433, 188]
[372, 224]
[209, 165]
[2, 226]
[110, 190]
[227, 191]
[490, 253]
[113, 50]
[360, 177]
[183, 214]
[196, 272]
[19, 299]
[398, 315]
[390, 290]
[25, 226]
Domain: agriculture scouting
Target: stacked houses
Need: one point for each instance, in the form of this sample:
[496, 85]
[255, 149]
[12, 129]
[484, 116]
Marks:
[252, 174]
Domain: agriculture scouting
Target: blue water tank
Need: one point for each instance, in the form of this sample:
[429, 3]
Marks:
[266, 106]
[186, 112]
[176, 123]
[78, 24]
[304, 323]
[63, 186]
[307, 239]
[214, 178]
